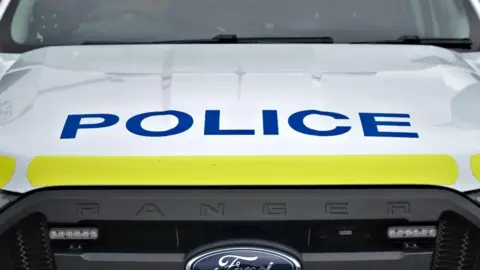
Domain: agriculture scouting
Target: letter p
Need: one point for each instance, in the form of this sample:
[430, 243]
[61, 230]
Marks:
[73, 123]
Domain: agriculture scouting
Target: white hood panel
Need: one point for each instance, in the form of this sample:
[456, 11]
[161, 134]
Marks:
[434, 92]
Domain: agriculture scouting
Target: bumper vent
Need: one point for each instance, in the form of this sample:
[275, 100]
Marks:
[26, 246]
[456, 247]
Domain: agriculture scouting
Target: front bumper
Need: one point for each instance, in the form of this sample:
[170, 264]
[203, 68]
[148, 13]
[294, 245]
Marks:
[159, 228]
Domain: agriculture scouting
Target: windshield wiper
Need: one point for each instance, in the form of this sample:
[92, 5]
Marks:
[233, 39]
[236, 39]
[451, 43]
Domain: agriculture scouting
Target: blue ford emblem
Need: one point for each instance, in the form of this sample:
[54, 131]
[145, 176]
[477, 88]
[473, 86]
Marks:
[243, 258]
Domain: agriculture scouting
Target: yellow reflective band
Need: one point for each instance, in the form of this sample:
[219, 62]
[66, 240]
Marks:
[7, 167]
[243, 170]
[475, 165]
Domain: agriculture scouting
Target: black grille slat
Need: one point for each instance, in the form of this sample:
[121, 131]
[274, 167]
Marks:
[456, 247]
[27, 245]
[170, 237]
[5, 263]
[184, 236]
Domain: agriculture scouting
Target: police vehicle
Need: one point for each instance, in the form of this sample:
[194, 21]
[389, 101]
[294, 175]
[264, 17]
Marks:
[239, 135]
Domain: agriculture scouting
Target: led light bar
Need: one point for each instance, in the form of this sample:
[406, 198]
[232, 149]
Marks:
[412, 232]
[73, 234]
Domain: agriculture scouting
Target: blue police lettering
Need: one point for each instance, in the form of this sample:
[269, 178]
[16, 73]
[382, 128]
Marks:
[296, 123]
[370, 125]
[134, 124]
[73, 123]
[270, 122]
[212, 126]
[368, 120]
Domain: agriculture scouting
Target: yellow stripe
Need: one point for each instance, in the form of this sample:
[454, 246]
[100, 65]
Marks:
[475, 165]
[243, 170]
[7, 167]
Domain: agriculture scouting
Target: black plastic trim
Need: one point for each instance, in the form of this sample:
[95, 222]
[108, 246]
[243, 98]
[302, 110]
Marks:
[72, 206]
[325, 261]
[367, 261]
[119, 261]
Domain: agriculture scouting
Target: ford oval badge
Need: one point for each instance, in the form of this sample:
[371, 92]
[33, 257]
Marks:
[243, 258]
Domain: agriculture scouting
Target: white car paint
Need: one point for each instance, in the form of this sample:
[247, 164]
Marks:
[438, 88]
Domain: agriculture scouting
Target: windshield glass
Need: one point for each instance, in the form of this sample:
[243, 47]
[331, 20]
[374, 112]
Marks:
[34, 23]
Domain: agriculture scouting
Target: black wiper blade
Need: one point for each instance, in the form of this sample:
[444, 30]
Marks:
[454, 43]
[236, 39]
[233, 39]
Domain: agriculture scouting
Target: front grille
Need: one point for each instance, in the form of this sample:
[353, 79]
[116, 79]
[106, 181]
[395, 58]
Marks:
[26, 246]
[456, 245]
[182, 237]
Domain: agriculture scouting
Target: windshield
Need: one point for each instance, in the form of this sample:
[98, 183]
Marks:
[34, 23]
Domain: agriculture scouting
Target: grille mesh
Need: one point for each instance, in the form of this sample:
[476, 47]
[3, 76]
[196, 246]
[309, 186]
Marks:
[455, 247]
[27, 246]
[184, 236]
